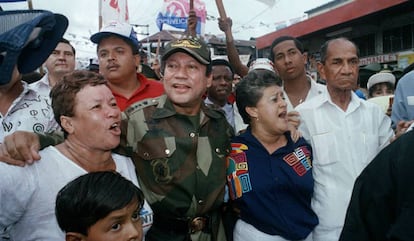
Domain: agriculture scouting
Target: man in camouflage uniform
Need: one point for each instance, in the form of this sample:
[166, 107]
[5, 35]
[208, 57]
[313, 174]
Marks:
[178, 146]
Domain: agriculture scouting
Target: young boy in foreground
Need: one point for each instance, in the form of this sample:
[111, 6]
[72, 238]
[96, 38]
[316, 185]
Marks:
[100, 206]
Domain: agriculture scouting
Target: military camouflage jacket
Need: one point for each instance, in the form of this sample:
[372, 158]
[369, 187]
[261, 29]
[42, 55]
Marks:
[180, 163]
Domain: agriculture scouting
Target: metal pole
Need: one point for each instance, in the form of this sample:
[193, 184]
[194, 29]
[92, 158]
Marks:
[100, 15]
[30, 4]
[149, 47]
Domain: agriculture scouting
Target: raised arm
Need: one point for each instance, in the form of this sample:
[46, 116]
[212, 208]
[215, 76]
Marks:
[232, 53]
[192, 23]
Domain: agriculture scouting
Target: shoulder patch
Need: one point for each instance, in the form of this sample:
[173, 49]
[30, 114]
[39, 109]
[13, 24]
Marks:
[143, 104]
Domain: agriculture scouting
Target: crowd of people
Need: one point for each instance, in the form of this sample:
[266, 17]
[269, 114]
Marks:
[198, 148]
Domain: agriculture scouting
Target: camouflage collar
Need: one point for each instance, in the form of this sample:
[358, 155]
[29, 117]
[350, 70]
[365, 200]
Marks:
[166, 109]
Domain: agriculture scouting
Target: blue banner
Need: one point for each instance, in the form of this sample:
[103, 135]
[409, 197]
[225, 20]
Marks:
[177, 22]
[175, 13]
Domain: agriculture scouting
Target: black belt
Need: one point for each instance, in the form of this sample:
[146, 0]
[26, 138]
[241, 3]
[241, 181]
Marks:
[183, 225]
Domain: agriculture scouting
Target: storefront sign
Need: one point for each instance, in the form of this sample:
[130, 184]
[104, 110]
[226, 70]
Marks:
[383, 58]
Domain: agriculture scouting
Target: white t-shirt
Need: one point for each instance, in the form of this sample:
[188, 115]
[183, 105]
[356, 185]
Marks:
[28, 194]
[315, 90]
[343, 143]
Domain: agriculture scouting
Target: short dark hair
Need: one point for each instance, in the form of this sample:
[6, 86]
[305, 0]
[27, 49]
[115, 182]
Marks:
[63, 40]
[220, 62]
[324, 48]
[250, 89]
[63, 94]
[91, 197]
[278, 40]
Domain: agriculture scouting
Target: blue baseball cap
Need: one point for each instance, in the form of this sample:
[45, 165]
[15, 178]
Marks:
[27, 38]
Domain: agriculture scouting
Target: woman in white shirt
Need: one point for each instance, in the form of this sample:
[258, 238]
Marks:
[86, 110]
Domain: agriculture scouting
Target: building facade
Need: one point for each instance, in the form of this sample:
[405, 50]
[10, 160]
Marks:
[382, 29]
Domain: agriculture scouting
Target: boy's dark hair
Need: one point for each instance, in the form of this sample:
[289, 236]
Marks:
[91, 197]
[277, 41]
[250, 89]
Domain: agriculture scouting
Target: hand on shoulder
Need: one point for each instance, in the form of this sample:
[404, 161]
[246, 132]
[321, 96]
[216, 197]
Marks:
[20, 148]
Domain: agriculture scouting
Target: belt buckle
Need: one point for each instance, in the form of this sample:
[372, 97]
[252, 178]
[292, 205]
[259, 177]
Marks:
[197, 224]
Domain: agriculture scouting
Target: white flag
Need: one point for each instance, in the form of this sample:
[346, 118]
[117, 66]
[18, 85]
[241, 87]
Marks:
[114, 10]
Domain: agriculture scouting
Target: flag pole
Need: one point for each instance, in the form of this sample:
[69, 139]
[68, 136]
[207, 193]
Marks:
[221, 9]
[30, 4]
[190, 31]
[157, 50]
[100, 15]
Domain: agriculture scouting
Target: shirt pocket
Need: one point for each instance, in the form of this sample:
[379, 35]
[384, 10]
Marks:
[156, 154]
[324, 149]
[410, 100]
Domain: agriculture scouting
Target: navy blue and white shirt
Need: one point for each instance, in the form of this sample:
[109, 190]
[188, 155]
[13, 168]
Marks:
[273, 191]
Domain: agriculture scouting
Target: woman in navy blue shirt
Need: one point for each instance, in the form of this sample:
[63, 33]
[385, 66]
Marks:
[268, 174]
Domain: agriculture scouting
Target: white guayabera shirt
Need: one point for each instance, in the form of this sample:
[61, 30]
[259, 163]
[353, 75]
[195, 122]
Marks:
[343, 143]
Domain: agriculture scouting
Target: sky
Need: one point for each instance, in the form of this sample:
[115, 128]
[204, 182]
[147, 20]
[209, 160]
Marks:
[251, 18]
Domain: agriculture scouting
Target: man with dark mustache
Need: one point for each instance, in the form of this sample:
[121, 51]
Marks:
[118, 55]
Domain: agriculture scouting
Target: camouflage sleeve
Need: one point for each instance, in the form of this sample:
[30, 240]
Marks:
[132, 115]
